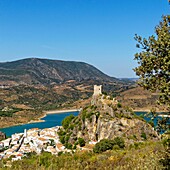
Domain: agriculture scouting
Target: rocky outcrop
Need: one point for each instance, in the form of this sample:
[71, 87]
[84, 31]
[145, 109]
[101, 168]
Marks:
[102, 121]
[109, 128]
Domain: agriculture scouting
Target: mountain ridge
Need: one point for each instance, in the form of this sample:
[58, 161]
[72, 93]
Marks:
[47, 71]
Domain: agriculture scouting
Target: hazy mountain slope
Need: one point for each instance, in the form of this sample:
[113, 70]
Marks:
[140, 99]
[44, 71]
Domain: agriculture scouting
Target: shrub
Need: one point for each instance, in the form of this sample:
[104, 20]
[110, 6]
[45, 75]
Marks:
[79, 127]
[89, 115]
[141, 115]
[71, 126]
[105, 93]
[60, 153]
[119, 105]
[67, 138]
[116, 147]
[93, 107]
[134, 136]
[67, 120]
[81, 142]
[143, 135]
[62, 139]
[106, 144]
[75, 146]
[103, 145]
[138, 145]
[83, 115]
[111, 98]
[165, 161]
[151, 123]
[68, 146]
[119, 141]
[166, 142]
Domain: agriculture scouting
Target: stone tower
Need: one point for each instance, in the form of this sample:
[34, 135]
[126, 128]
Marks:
[97, 90]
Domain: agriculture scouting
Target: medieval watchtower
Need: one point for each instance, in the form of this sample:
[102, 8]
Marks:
[97, 90]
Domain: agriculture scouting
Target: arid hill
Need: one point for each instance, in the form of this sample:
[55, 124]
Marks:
[141, 100]
[45, 72]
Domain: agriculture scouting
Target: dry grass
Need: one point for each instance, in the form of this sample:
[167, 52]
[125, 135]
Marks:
[137, 157]
[140, 100]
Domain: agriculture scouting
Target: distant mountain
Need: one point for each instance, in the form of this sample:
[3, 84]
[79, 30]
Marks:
[45, 71]
[129, 79]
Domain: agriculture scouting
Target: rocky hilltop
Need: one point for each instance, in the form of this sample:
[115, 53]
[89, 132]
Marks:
[105, 118]
[45, 71]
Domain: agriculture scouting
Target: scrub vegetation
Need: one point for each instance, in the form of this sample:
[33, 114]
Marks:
[142, 155]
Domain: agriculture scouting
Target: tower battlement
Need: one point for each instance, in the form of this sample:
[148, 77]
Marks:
[97, 90]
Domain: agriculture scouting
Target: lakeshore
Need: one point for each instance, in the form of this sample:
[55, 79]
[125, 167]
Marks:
[149, 110]
[53, 112]
[164, 115]
[62, 111]
[160, 113]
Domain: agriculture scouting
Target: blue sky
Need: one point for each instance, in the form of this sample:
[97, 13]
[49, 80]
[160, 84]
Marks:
[99, 32]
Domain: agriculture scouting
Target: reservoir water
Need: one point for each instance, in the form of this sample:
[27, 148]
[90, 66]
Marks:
[50, 120]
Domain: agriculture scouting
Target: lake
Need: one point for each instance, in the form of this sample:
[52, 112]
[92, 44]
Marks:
[50, 120]
[147, 118]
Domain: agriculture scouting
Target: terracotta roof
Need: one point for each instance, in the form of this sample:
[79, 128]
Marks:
[59, 145]
[19, 154]
[42, 139]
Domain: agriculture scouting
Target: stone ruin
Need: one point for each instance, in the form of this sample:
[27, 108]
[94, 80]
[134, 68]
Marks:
[97, 90]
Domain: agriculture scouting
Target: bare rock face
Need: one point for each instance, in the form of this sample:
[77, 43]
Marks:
[2, 136]
[98, 127]
[109, 128]
[133, 127]
[91, 127]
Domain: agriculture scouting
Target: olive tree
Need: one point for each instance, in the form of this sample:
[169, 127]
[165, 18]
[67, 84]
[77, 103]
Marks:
[154, 62]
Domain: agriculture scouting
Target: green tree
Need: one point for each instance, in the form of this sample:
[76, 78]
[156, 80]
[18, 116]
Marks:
[154, 60]
[119, 141]
[66, 122]
[154, 64]
[103, 145]
[107, 144]
[81, 142]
